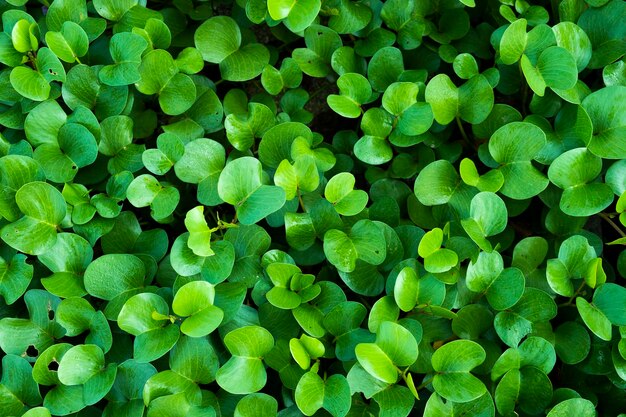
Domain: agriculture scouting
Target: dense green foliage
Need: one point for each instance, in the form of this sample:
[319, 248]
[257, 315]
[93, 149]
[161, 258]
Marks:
[303, 207]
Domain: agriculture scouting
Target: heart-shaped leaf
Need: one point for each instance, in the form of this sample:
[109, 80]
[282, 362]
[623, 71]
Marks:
[240, 184]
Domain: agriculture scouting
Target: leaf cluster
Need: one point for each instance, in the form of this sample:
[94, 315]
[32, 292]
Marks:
[302, 207]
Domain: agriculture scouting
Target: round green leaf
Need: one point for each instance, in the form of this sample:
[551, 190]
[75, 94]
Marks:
[80, 363]
[453, 363]
[340, 192]
[609, 123]
[298, 15]
[195, 301]
[240, 184]
[579, 406]
[112, 275]
[69, 43]
[513, 146]
[44, 208]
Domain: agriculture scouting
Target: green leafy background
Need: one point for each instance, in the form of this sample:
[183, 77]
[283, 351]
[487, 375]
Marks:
[323, 208]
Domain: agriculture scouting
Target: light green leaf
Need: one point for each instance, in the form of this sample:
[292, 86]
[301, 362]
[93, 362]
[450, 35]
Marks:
[44, 208]
[69, 43]
[298, 14]
[240, 184]
[199, 233]
[365, 241]
[453, 363]
[513, 146]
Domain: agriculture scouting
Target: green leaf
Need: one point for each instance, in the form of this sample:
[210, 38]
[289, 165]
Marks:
[69, 43]
[595, 320]
[385, 68]
[194, 300]
[146, 316]
[113, 10]
[354, 91]
[413, 118]
[219, 40]
[453, 363]
[321, 42]
[340, 192]
[573, 342]
[573, 171]
[247, 345]
[170, 149]
[304, 349]
[471, 102]
[516, 322]
[43, 123]
[574, 39]
[283, 140]
[23, 36]
[297, 15]
[158, 74]
[202, 163]
[606, 37]
[242, 130]
[555, 68]
[67, 260]
[145, 190]
[406, 289]
[513, 42]
[240, 184]
[301, 176]
[608, 299]
[126, 50]
[365, 242]
[114, 275]
[376, 362]
[488, 217]
[29, 83]
[17, 386]
[199, 233]
[579, 406]
[465, 66]
[491, 181]
[44, 208]
[503, 287]
[513, 146]
[436, 407]
[395, 347]
[252, 404]
[436, 183]
[373, 148]
[16, 171]
[15, 275]
[575, 254]
[80, 364]
[76, 148]
[313, 393]
[609, 123]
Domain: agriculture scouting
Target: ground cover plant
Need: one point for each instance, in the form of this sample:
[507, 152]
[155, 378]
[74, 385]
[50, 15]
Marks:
[303, 207]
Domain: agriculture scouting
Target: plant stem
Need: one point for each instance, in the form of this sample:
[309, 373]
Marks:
[612, 223]
[524, 88]
[465, 137]
[301, 201]
[425, 383]
[569, 302]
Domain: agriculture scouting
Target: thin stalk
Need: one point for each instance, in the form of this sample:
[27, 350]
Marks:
[301, 201]
[424, 384]
[524, 88]
[612, 224]
[462, 129]
[571, 299]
